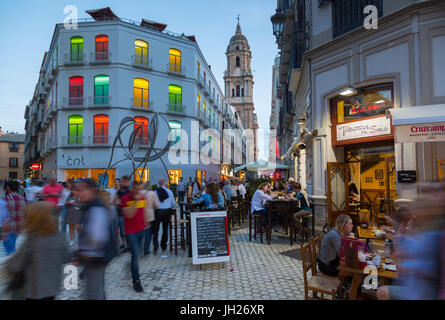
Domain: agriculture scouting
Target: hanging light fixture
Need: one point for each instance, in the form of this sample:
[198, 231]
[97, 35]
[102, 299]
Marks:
[278, 23]
[349, 91]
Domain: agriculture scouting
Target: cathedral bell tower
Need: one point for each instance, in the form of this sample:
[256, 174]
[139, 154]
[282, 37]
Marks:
[238, 80]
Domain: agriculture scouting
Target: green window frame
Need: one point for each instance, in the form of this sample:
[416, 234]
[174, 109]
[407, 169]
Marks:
[101, 89]
[75, 129]
[76, 53]
[174, 98]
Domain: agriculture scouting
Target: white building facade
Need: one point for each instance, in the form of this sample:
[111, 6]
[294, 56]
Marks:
[94, 76]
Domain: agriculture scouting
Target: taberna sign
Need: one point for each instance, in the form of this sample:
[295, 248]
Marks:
[364, 129]
[423, 132]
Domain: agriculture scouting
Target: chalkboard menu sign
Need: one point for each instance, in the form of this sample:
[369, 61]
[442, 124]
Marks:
[210, 240]
[407, 176]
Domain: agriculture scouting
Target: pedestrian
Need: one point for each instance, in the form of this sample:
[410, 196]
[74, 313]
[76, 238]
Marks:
[181, 190]
[97, 245]
[124, 189]
[162, 214]
[229, 190]
[40, 259]
[74, 214]
[133, 205]
[151, 205]
[52, 191]
[16, 205]
[67, 186]
[241, 189]
[33, 191]
[196, 189]
[113, 191]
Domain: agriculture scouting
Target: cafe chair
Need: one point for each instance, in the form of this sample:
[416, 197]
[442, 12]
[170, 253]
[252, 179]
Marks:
[317, 283]
[235, 208]
[301, 227]
[316, 245]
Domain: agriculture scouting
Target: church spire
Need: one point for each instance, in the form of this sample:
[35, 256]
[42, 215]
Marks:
[238, 26]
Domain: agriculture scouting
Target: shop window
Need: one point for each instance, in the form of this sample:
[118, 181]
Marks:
[141, 52]
[141, 93]
[76, 53]
[76, 174]
[175, 130]
[141, 125]
[174, 98]
[369, 102]
[174, 175]
[106, 180]
[76, 91]
[75, 129]
[143, 174]
[101, 89]
[102, 47]
[100, 129]
[175, 60]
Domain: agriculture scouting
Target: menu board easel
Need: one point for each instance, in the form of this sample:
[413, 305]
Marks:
[210, 239]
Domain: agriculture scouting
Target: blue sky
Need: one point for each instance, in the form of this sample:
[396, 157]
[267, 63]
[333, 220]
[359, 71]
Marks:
[27, 28]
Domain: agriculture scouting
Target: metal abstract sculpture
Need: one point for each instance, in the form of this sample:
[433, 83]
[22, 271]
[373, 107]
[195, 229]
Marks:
[134, 144]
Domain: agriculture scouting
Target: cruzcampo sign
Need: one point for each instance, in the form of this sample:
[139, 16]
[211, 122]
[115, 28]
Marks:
[426, 132]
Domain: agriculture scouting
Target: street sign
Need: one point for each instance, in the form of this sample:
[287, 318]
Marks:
[35, 166]
[210, 239]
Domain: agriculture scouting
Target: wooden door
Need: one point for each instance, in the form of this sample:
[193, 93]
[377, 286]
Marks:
[390, 195]
[338, 193]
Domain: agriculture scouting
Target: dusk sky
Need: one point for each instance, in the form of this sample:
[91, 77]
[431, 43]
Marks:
[28, 27]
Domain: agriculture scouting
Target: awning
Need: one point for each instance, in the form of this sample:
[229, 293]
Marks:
[104, 14]
[420, 114]
[419, 124]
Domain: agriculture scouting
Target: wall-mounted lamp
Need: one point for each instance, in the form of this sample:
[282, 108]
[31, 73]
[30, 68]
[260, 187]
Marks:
[349, 91]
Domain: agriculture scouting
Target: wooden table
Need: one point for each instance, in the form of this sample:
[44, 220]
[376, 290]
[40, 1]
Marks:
[358, 275]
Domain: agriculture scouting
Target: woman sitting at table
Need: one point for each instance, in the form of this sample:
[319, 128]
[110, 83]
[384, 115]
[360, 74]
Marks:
[258, 201]
[212, 199]
[303, 199]
[278, 187]
[330, 246]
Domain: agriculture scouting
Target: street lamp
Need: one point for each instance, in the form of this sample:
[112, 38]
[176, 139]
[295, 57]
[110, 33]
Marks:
[278, 23]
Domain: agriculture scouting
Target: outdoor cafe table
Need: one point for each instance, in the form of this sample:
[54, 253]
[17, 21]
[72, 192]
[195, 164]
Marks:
[359, 275]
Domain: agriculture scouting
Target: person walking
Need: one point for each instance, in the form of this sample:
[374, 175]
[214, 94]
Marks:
[67, 186]
[52, 191]
[133, 205]
[41, 256]
[181, 190]
[15, 205]
[74, 214]
[124, 189]
[33, 191]
[151, 205]
[162, 214]
[97, 245]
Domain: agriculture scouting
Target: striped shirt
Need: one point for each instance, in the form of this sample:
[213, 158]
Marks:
[16, 205]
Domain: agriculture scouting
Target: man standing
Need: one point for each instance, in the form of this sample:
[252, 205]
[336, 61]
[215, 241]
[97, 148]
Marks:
[123, 190]
[32, 191]
[15, 206]
[52, 191]
[181, 190]
[162, 214]
[96, 240]
[196, 188]
[135, 221]
[241, 189]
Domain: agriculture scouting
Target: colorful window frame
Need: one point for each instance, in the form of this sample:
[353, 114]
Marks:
[174, 98]
[141, 92]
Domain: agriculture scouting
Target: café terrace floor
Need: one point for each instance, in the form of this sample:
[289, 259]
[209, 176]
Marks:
[256, 271]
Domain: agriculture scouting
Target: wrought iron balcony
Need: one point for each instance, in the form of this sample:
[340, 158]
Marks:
[99, 141]
[142, 104]
[175, 108]
[100, 57]
[141, 61]
[74, 59]
[99, 101]
[74, 103]
[176, 69]
[73, 141]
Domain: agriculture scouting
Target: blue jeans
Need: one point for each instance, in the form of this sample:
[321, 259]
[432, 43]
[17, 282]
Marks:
[120, 226]
[147, 240]
[181, 196]
[9, 243]
[134, 242]
[62, 220]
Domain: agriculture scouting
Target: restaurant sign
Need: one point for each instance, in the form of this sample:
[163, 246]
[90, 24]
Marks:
[427, 132]
[364, 129]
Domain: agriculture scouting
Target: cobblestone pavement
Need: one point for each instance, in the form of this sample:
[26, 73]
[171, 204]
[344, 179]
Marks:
[256, 271]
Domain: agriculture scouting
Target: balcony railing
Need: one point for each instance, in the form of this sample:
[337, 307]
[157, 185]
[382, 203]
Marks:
[212, 98]
[100, 57]
[99, 101]
[175, 108]
[99, 141]
[73, 141]
[141, 61]
[201, 81]
[74, 102]
[141, 141]
[74, 59]
[143, 104]
[203, 118]
[176, 69]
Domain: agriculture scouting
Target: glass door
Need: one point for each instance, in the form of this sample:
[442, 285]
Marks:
[338, 195]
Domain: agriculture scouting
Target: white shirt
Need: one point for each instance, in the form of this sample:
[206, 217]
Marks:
[63, 197]
[181, 186]
[242, 190]
[168, 203]
[257, 200]
[195, 187]
[31, 192]
[112, 192]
